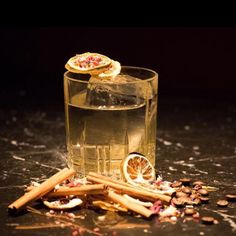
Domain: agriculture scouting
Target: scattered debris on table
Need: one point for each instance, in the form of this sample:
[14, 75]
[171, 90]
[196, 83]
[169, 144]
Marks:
[184, 196]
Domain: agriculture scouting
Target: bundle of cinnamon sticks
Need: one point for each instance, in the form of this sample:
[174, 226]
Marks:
[115, 191]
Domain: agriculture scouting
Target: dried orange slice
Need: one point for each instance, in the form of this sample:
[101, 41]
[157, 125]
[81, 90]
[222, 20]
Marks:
[112, 71]
[137, 169]
[88, 63]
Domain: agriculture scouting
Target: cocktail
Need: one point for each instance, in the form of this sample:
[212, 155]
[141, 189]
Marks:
[110, 112]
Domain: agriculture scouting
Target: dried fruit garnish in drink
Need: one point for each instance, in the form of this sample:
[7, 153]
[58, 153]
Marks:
[137, 169]
[113, 70]
[88, 63]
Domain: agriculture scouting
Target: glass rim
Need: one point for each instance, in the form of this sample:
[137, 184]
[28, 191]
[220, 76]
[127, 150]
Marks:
[151, 78]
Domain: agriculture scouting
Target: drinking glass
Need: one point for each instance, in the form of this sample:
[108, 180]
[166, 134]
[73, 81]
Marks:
[108, 119]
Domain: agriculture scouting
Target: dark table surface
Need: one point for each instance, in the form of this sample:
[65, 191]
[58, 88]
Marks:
[196, 138]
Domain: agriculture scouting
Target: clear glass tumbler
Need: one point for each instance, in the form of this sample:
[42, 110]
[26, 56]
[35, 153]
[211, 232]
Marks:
[106, 120]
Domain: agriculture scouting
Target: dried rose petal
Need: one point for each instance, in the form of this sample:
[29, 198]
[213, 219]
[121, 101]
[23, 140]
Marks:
[74, 184]
[75, 233]
[156, 207]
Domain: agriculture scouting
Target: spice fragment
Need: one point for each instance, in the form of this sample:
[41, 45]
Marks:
[222, 203]
[208, 220]
[231, 197]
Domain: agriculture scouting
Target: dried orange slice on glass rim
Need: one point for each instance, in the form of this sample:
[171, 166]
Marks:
[113, 70]
[136, 169]
[88, 63]
[97, 65]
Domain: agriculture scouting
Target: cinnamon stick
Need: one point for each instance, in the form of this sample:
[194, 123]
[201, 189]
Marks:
[128, 204]
[42, 189]
[81, 190]
[144, 194]
[77, 191]
[99, 176]
[93, 174]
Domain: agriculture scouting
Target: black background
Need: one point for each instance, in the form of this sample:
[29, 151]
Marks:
[191, 61]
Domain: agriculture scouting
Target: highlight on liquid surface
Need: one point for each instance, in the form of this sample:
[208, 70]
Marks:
[100, 136]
